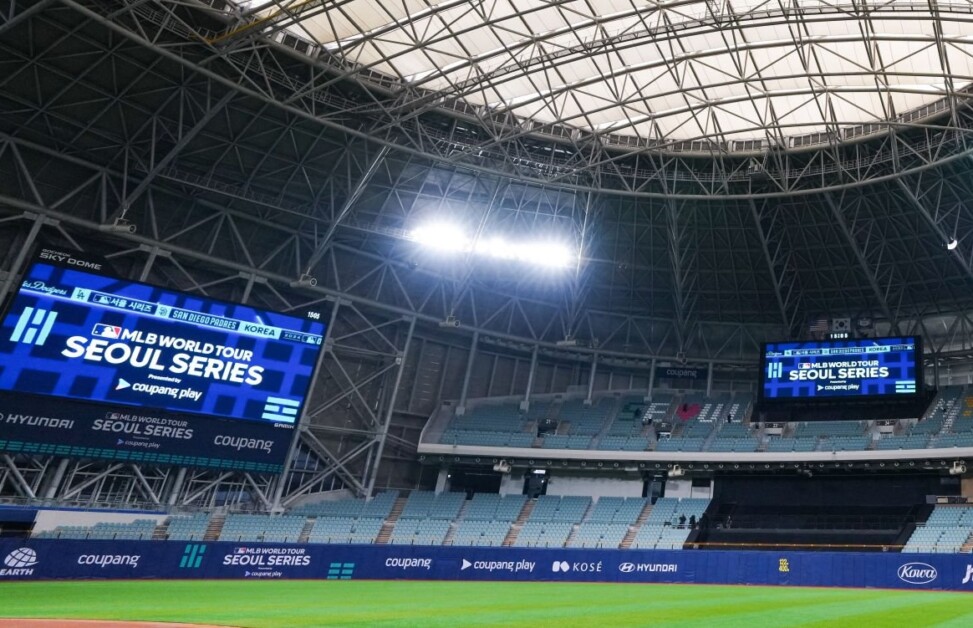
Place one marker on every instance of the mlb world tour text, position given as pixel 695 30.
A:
pixel 194 358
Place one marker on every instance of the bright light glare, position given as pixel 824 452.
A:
pixel 952 244
pixel 450 238
pixel 442 237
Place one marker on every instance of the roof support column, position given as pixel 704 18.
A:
pixel 176 486
pixel 591 379
pixel 55 482
pixel 682 262
pixel 648 396
pixel 525 405
pixel 384 433
pixel 302 421
pixel 461 409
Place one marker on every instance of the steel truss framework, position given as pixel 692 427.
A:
pixel 333 90
pixel 116 112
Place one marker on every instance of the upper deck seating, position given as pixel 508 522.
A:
pixel 140 529
pixel 493 425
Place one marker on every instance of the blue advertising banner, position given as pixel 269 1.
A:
pixel 54 559
pixel 869 367
pixel 63 427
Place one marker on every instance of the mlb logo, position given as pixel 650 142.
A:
pixel 107 331
pixel 805 365
pixel 241 550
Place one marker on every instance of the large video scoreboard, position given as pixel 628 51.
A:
pixel 865 368
pixel 92 365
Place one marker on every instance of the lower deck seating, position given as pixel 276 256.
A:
pixel 946 531
pixel 593 534
pixel 543 534
pixel 190 528
pixel 668 525
pixel 552 508
pixel 493 507
pixel 419 532
pixel 481 533
pixel 344 530
pixel 625 510
pixel 265 528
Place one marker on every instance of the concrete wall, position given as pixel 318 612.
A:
pixel 567 484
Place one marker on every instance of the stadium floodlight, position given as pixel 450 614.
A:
pixel 442 236
pixel 449 238
pixel 952 244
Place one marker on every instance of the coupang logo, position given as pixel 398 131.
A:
pixel 917 573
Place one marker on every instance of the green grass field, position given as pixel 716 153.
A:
pixel 433 604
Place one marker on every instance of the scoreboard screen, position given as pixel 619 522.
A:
pixel 112 365
pixel 868 367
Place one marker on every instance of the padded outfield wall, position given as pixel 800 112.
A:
pixel 48 559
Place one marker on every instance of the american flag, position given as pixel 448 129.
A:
pixel 819 325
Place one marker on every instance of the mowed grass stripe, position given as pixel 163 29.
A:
pixel 447 604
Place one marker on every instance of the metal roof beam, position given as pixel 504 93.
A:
pixel 866 269
pixel 161 164
pixel 346 208
pixel 935 225
pixel 775 277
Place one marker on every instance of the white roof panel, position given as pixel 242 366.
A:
pixel 693 68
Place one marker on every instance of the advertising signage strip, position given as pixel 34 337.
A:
pixel 871 367
pixel 32 424
pixel 46 559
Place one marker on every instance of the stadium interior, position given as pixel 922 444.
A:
pixel 506 274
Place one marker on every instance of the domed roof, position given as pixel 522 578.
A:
pixel 738 75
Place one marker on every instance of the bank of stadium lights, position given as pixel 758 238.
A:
pixel 449 238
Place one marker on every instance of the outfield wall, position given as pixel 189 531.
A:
pixel 45 559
